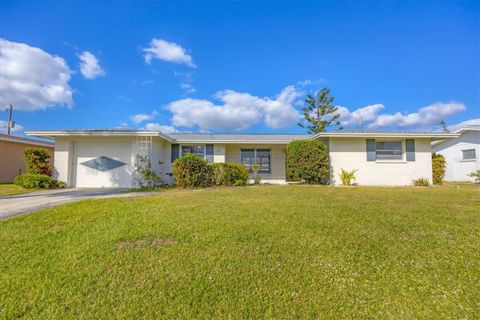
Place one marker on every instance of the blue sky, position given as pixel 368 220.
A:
pixel 238 65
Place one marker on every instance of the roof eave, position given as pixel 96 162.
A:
pixel 235 141
pixel 433 136
pixel 53 134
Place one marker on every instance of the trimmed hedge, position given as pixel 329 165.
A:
pixel 229 174
pixel 37 181
pixel 191 171
pixel 438 168
pixel 308 161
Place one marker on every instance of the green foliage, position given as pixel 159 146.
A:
pixel 256 173
pixel 37 161
pixel 146 177
pixel 308 161
pixel 476 175
pixel 422 182
pixel 347 177
pixel 37 181
pixel 229 174
pixel 320 113
pixel 191 171
pixel 438 168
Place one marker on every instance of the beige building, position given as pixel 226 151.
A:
pixel 105 158
pixel 12 162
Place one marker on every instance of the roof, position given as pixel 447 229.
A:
pixel 10 138
pixel 385 134
pixel 237 138
pixel 459 132
pixel 243 138
pixel 97 132
pixel 468 128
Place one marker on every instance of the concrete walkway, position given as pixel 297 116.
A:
pixel 28 202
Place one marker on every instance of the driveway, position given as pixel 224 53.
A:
pixel 28 202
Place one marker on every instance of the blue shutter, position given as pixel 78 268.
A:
pixel 209 152
pixel 410 149
pixel 371 150
pixel 175 152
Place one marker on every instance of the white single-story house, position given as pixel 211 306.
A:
pixel 461 154
pixel 105 158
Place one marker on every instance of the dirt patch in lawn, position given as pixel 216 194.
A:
pixel 145 243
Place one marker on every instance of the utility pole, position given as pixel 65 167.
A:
pixel 10 124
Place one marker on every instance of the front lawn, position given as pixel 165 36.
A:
pixel 256 252
pixel 8 189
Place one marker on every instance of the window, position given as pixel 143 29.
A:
pixel 261 156
pixel 469 154
pixel 389 150
pixel 198 150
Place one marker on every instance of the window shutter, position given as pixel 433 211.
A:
pixel 410 149
pixel 175 152
pixel 371 152
pixel 209 152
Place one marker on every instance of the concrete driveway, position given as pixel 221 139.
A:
pixel 28 202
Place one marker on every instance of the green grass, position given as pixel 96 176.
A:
pixel 8 189
pixel 293 252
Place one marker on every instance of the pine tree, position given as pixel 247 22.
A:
pixel 320 113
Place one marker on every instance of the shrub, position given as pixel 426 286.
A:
pixel 422 182
pixel 229 174
pixel 191 171
pixel 308 161
pixel 37 181
pixel 438 168
pixel 37 161
pixel 476 175
pixel 347 177
pixel 145 175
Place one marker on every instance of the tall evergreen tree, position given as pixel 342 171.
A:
pixel 320 113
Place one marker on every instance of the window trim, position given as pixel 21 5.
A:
pixel 402 159
pixel 194 145
pixel 469 159
pixel 255 159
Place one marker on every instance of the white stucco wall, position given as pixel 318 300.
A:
pixel 457 168
pixel 350 153
pixel 277 165
pixel 62 163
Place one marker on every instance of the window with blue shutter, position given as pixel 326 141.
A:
pixel 410 149
pixel 371 150
pixel 209 152
pixel 175 152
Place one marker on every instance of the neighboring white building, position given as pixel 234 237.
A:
pixel 461 154
pixel 105 158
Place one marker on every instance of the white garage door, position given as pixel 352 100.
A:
pixel 103 164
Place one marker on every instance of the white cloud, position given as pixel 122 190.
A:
pixel 359 116
pixel 426 116
pixel 89 66
pixel 141 117
pixel 370 116
pixel 471 122
pixel 167 51
pixel 187 87
pixel 159 127
pixel 238 111
pixel 4 126
pixel 32 79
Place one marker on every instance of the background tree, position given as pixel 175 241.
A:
pixel 320 113
pixel 443 125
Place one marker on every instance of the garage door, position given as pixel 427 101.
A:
pixel 102 164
